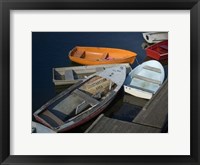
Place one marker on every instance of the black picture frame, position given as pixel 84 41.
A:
pixel 7 5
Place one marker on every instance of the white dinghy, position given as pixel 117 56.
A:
pixel 145 79
pixel 155 37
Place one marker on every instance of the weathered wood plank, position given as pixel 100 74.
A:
pixel 147 79
pixel 104 124
pixel 69 75
pixel 155 111
pixel 53 117
pixel 152 68
pixel 86 97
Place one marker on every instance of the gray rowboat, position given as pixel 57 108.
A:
pixel 82 101
pixel 71 75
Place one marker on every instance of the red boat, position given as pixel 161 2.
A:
pixel 158 51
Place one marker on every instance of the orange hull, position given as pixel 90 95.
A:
pixel 98 56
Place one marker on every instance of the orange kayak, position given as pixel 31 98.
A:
pixel 98 55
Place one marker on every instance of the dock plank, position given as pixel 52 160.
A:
pixel 154 113
pixel 105 124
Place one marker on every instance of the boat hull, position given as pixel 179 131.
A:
pixel 137 92
pixel 79 73
pixel 158 51
pixel 145 79
pixel 100 56
pixel 77 105
pixel 155 37
pixel 85 120
pixel 88 62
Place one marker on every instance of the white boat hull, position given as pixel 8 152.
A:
pixel 137 92
pixel 145 79
pixel 155 37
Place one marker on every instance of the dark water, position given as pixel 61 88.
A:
pixel 50 50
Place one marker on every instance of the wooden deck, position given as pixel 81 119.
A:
pixel 104 124
pixel 154 113
pixel 151 119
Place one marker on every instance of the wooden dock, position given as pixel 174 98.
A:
pixel 151 119
pixel 105 124
pixel 154 113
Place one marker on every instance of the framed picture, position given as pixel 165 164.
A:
pixel 41 38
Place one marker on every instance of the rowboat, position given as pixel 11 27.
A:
pixel 145 79
pixel 82 101
pixel 71 75
pixel 39 128
pixel 98 55
pixel 158 51
pixel 155 37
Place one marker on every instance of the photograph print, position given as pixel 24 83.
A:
pixel 100 82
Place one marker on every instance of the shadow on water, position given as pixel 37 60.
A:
pixel 50 50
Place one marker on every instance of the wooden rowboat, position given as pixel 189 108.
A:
pixel 158 51
pixel 82 101
pixel 145 79
pixel 155 37
pixel 71 75
pixel 98 55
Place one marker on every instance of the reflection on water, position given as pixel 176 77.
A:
pixel 50 50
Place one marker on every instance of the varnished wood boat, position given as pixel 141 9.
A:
pixel 82 101
pixel 158 51
pixel 71 75
pixel 145 79
pixel 98 55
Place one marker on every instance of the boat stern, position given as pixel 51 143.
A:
pixel 137 92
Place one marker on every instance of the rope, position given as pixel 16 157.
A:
pixel 137 61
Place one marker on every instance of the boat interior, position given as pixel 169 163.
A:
pixel 72 74
pixel 90 94
pixel 147 79
pixel 160 48
pixel 89 55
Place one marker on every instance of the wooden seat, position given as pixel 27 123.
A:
pixel 104 56
pixel 142 89
pixel 69 75
pixel 152 69
pixel 147 79
pixel 79 54
pixel 53 117
pixel 86 97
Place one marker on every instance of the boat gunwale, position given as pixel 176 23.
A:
pixel 90 62
pixel 102 48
